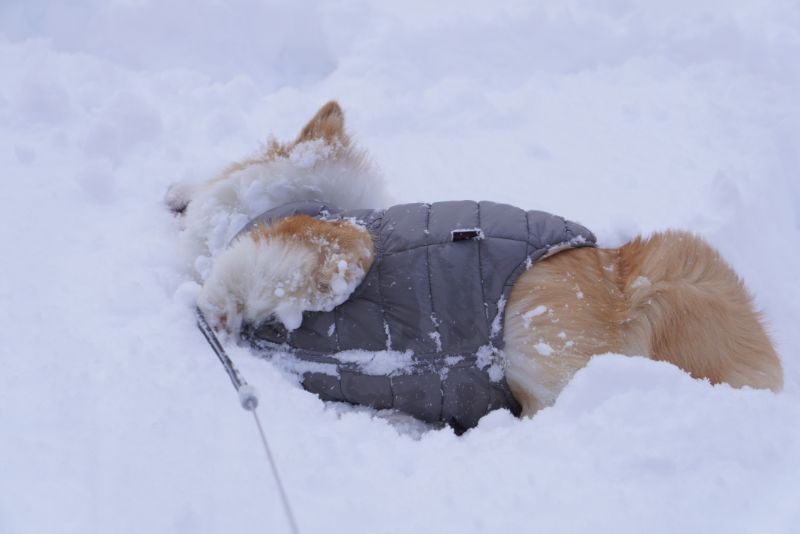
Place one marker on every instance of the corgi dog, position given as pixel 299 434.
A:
pixel 668 297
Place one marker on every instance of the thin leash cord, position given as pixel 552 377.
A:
pixel 284 497
pixel 249 401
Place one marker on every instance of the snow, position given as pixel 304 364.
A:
pixel 528 316
pixel 437 338
pixel 543 348
pixel 628 116
pixel 378 363
pixel 497 322
pixel 490 359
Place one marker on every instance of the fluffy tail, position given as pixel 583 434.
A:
pixel 687 306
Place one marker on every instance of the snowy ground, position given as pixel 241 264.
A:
pixel 626 115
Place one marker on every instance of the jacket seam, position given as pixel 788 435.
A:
pixel 434 315
pixel 482 282
pixel 336 316
pixel 378 254
pixel 567 231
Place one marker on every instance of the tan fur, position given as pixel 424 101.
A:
pixel 327 124
pixel 329 239
pixel 670 297
pixel 281 270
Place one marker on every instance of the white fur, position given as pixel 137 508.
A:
pixel 314 170
pixel 254 280
pixel 248 281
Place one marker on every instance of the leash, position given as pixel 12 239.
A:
pixel 249 401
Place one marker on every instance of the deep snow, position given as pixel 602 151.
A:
pixel 628 116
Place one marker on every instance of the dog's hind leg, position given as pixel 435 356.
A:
pixel 687 306
pixel 560 313
pixel 670 297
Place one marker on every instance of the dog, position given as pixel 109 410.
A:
pixel 668 297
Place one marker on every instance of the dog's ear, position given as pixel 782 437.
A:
pixel 327 124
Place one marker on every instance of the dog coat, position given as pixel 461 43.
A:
pixel 423 332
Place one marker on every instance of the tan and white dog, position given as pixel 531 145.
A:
pixel 668 297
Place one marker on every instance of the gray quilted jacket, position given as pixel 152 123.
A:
pixel 423 332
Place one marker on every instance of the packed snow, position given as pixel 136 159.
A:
pixel 626 115
pixel 378 363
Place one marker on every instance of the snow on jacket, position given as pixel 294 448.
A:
pixel 423 332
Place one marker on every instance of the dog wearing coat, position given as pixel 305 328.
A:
pixel 668 297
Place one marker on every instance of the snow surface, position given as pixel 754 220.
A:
pixel 625 115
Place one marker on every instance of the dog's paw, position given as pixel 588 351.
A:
pixel 222 318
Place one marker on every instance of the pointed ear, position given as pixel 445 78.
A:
pixel 327 124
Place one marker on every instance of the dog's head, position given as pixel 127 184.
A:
pixel 325 131
pixel 320 164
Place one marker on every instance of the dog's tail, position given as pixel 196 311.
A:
pixel 687 306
